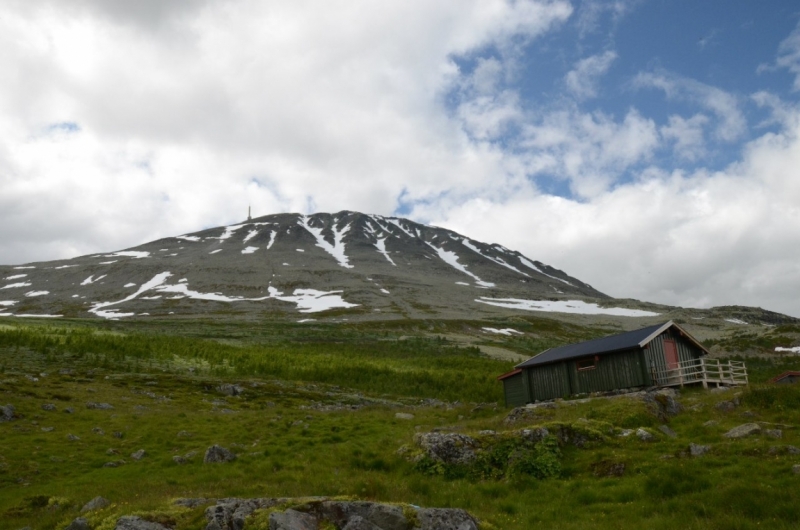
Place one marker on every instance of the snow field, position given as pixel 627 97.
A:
pixel 578 307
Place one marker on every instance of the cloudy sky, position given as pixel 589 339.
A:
pixel 648 147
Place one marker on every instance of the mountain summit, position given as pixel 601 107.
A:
pixel 343 265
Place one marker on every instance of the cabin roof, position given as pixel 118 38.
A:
pixel 790 373
pixel 614 343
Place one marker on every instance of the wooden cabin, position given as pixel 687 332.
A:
pixel 786 378
pixel 659 355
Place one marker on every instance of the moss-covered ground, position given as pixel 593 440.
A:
pixel 318 417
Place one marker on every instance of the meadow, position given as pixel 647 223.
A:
pixel 317 415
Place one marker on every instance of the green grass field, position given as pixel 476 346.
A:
pixel 317 417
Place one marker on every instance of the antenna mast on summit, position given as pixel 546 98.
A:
pixel 248 214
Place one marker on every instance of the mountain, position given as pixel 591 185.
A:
pixel 344 266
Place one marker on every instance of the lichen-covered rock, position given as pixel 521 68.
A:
pixel 7 413
pixel 725 406
pixel 99 406
pixel 95 504
pixel 698 450
pixel 138 455
pixel 663 403
pixel 130 522
pixel 666 430
pixel 450 448
pixel 49 407
pixel 578 433
pixel 384 516
pixel 359 523
pixel 218 454
pixel 79 524
pixel 534 435
pixel 774 433
pixel 230 390
pixel 292 520
pixel 445 519
pixel 742 431
pixel 644 435
pixel 230 514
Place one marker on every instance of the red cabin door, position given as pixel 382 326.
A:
pixel 671 354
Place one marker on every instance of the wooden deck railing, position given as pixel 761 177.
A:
pixel 703 371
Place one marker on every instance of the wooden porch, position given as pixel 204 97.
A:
pixel 702 371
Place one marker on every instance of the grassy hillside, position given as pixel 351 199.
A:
pixel 317 416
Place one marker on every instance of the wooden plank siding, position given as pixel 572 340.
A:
pixel 654 352
pixel 606 370
pixel 514 390
pixel 613 371
pixel 548 382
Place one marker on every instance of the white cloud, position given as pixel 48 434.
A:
pixel 582 80
pixel 731 123
pixel 687 135
pixel 590 150
pixel 697 239
pixel 185 114
pixel 789 55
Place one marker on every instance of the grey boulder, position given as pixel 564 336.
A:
pixel 6 413
pixel 743 431
pixel 218 454
pixel 666 430
pixel 698 450
pixel 95 504
pixel 359 523
pixel 131 522
pixel 450 448
pixel 445 519
pixel 292 520
pixel 644 435
pixel 78 524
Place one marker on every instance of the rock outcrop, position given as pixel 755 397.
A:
pixel 217 454
pixel 320 512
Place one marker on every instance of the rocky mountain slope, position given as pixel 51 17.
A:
pixel 342 266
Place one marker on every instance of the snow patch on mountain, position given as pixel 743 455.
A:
pixel 98 307
pixel 311 300
pixel 578 307
pixel 15 277
pixel 399 225
pixel 337 249
pixel 138 254
pixel 381 246
pixel 499 261
pixel 451 258
pixel 529 264
pixel 16 285
pixel 91 279
pixel 506 331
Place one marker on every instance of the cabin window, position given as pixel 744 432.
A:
pixel 587 364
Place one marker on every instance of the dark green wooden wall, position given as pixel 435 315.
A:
pixel 514 390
